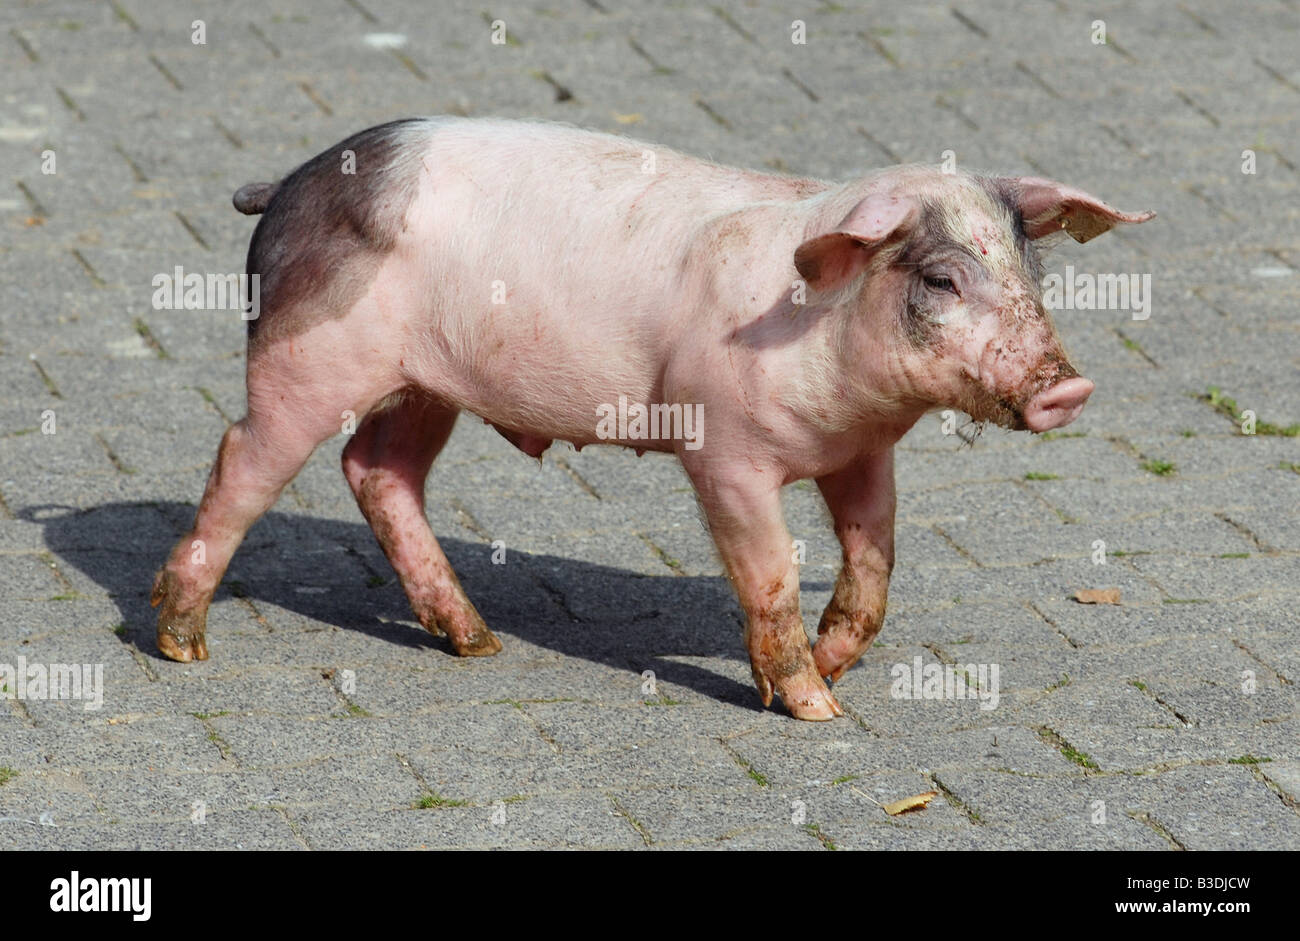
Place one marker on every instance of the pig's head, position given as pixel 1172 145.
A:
pixel 941 279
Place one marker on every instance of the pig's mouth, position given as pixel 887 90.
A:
pixel 1025 384
pixel 1054 405
pixel 998 389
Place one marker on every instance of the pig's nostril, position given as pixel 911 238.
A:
pixel 1058 405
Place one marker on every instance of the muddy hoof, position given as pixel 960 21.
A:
pixel 804 693
pixel 181 634
pixel 177 642
pixel 807 697
pixel 480 643
pixel 464 627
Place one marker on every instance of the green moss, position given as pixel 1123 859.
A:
pixel 1268 428
pixel 749 769
pixel 1227 407
pixel 519 703
pixel 816 831
pixel 1080 758
pixel 663 701
pixel 429 800
pixel 1160 468
pixel 1053 435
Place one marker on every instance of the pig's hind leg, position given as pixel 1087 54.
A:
pixel 386 464
pixel 259 454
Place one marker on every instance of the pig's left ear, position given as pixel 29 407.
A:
pixel 1048 207
pixel 837 257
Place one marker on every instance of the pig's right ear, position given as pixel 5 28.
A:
pixel 832 260
pixel 1049 207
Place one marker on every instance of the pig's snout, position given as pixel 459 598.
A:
pixel 1057 405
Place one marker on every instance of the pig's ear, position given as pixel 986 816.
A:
pixel 1048 207
pixel 833 259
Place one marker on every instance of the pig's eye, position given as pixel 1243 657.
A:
pixel 940 283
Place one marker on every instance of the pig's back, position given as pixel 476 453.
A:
pixel 574 206
pixel 561 257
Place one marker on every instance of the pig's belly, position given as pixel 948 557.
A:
pixel 536 389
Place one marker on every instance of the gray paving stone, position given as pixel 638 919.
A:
pixel 262 741
pixel 125 796
pixel 1126 749
pixel 788 760
pixel 582 821
pixel 343 783
pixel 1192 811
pixel 247 830
pixel 760 838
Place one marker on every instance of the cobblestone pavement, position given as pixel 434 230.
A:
pixel 327 718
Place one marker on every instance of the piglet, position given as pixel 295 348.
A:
pixel 538 275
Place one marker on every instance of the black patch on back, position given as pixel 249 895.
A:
pixel 326 230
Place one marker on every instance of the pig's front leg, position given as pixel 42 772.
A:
pixel 861 501
pixel 743 507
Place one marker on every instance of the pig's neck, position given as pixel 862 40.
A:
pixel 851 390
pixel 873 395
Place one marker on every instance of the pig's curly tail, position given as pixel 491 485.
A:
pixel 252 198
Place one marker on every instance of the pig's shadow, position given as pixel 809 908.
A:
pixel 329 571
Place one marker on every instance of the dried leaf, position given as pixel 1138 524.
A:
pixel 916 802
pixel 633 118
pixel 1097 596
